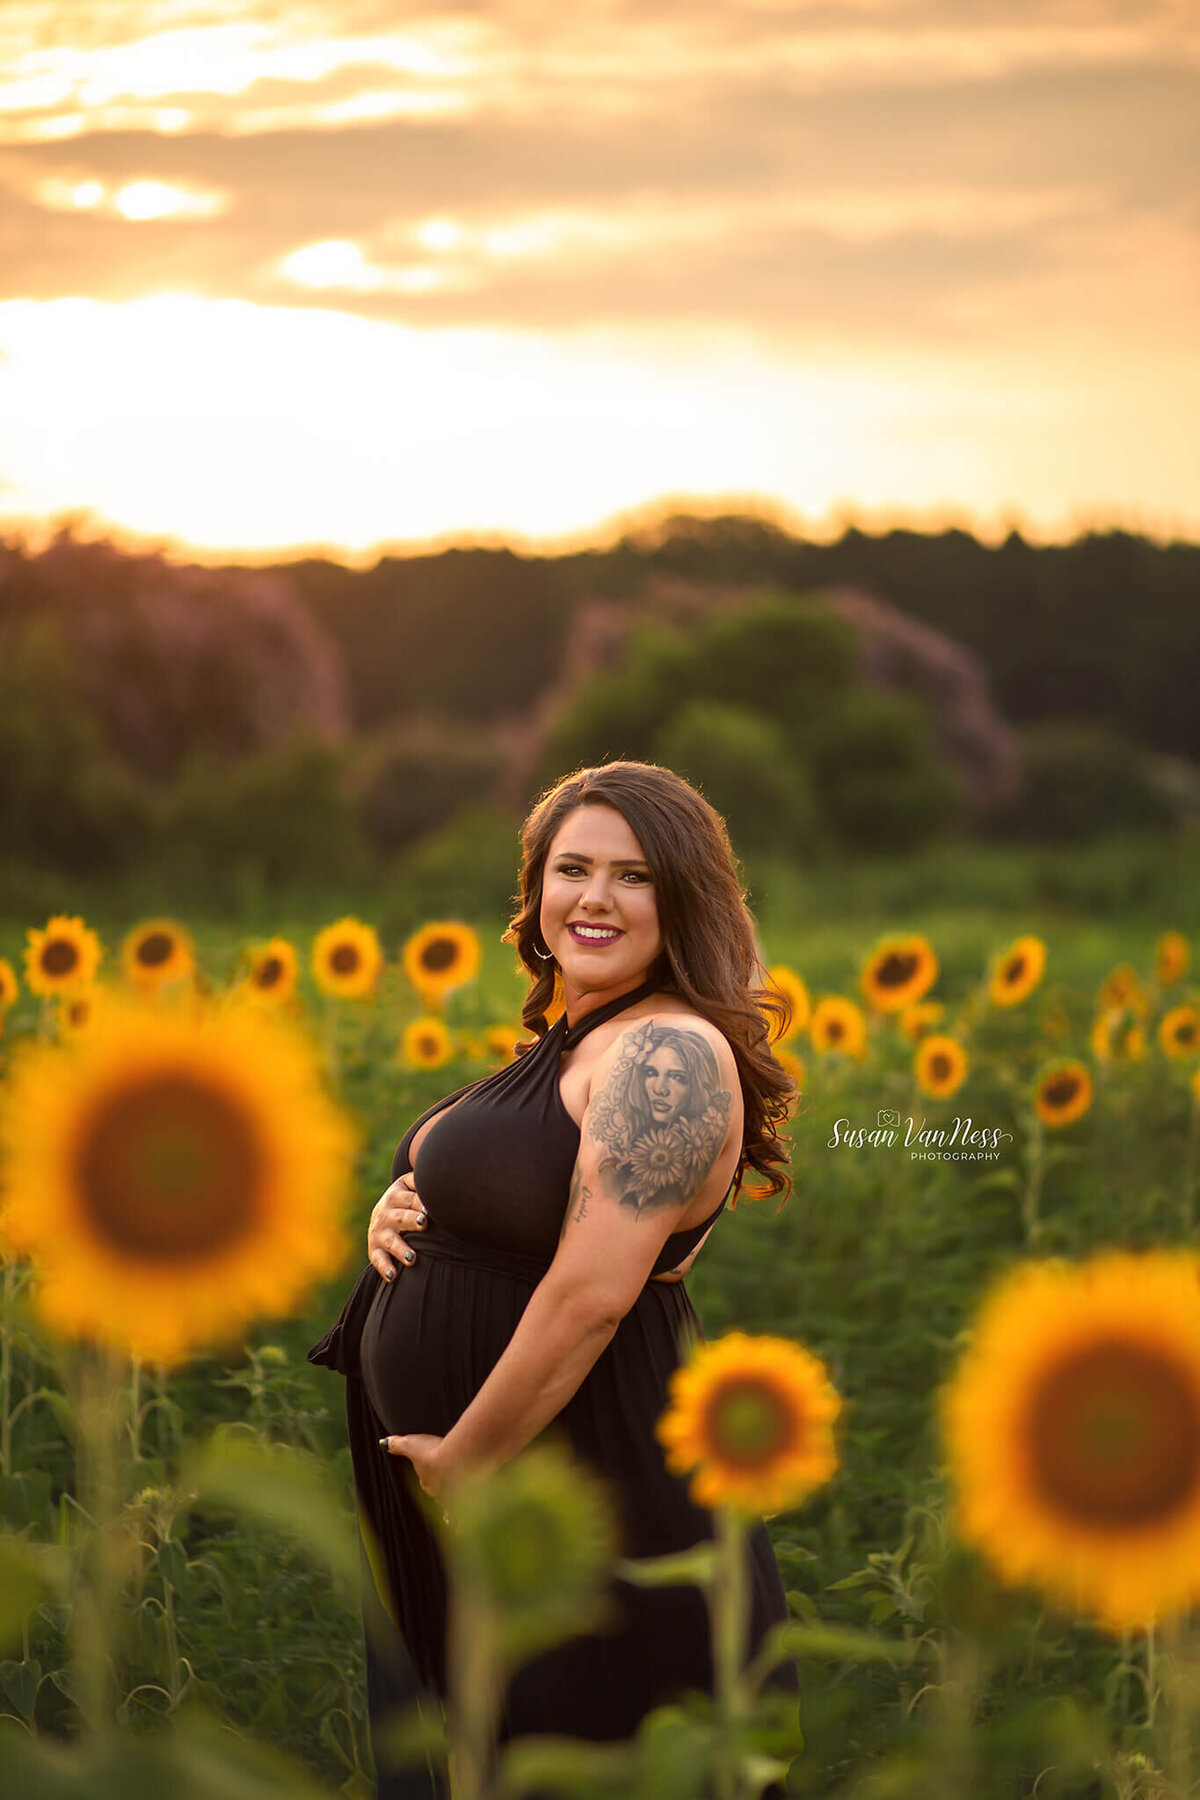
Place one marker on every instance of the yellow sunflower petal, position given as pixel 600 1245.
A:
pixel 155 952
pixel 786 981
pixel 940 1065
pixel 61 959
pixel 441 956
pixel 346 959
pixel 838 1024
pixel 155 1165
pixel 1072 1427
pixel 1017 971
pixel 1063 1093
pixel 899 971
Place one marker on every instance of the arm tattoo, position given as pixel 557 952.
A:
pixel 661 1116
pixel 579 1193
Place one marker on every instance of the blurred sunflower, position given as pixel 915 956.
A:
pixel 915 1020
pixel 753 1416
pixel 156 1163
pixel 1117 1036
pixel 1179 1031
pixel 1121 987
pixel 346 959
pixel 1172 954
pixel 535 1541
pixel 1017 971
pixel 1072 1427
pixel 838 1024
pixel 940 1066
pixel 426 1044
pixel 791 1064
pixel 77 1012
pixel 9 985
pixel 1063 1093
pixel 155 952
pixel 63 957
pixel 898 971
pixel 500 1042
pixel 439 957
pixel 274 971
pixel 785 981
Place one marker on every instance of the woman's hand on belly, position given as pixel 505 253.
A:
pixel 397 1209
pixel 423 1451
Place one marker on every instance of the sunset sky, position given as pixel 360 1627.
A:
pixel 342 274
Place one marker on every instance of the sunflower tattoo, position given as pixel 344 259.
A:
pixel 661 1116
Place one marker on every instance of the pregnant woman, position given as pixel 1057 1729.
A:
pixel 550 1212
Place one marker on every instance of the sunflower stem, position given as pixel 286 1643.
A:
pixel 97 1414
pixel 729 1623
pixel 1031 1193
pixel 475 1691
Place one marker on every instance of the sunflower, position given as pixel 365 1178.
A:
pixel 1121 987
pixel 753 1416
pixel 62 958
pixel 77 1012
pixel 439 957
pixel 898 971
pixel 535 1540
pixel 274 971
pixel 838 1024
pixel 791 1064
pixel 1073 1431
pixel 500 1042
pixel 1063 1093
pixel 1117 1036
pixel 346 959
pixel 156 1164
pixel 1172 954
pixel 10 987
pixel 157 951
pixel 940 1065
pixel 1017 971
pixel 1179 1031
pixel 785 981
pixel 920 1017
pixel 425 1045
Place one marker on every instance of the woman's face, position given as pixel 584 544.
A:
pixel 599 915
pixel 667 1084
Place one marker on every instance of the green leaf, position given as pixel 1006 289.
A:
pixel 841 1644
pixel 272 1483
pixel 20 1682
pixel 694 1566
pixel 25 1577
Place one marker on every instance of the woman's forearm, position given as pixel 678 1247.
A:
pixel 553 1348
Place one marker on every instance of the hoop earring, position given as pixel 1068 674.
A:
pixel 546 955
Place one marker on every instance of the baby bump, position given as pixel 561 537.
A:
pixel 432 1337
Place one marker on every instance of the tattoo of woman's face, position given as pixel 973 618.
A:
pixel 661 1116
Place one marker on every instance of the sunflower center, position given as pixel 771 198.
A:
pixel 427 1044
pixel 1185 1032
pixel 1114 1435
pixel 834 1028
pixel 268 972
pixel 154 949
pixel 59 956
pixel 438 954
pixel 1014 970
pixel 939 1066
pixel 749 1424
pixel 344 959
pixel 1061 1090
pixel 170 1171
pixel 895 969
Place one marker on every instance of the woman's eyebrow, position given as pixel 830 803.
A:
pixel 620 862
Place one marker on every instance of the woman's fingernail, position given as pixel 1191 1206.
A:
pixel 421 1217
pixel 390 1274
pixel 383 1443
pixel 410 1256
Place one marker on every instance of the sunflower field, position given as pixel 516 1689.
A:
pixel 958 1370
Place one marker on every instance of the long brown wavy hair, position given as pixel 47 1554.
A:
pixel 709 958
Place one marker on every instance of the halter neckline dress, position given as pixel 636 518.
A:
pixel 493 1180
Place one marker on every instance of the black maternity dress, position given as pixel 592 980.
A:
pixel 493 1181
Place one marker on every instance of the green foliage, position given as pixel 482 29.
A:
pixel 745 767
pixel 412 778
pixel 878 785
pixel 280 814
pixel 760 707
pixel 64 801
pixel 467 867
pixel 1080 782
